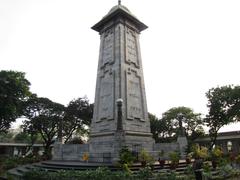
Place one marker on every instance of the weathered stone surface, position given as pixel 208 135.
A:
pixel 120 76
pixel 182 141
pixel 70 151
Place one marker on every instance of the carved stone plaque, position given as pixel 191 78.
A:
pixel 131 48
pixel 135 109
pixel 106 97
pixel 108 50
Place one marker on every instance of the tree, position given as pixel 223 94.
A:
pixel 224 108
pixel 192 122
pixel 14 89
pixel 167 128
pixel 160 129
pixel 22 137
pixel 6 137
pixel 43 116
pixel 154 126
pixel 77 117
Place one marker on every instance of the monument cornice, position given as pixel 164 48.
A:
pixel 119 12
pixel 135 133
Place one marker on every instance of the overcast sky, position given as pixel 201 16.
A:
pixel 189 47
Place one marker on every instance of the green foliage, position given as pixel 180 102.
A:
pixel 22 137
pixel 6 137
pixel 98 174
pixel 126 159
pixel 223 172
pixel 191 121
pixel 161 153
pixel 167 175
pixel 237 159
pixel 145 173
pixel 167 129
pixel 206 166
pixel 44 117
pixel 174 157
pixel 216 152
pixel 200 151
pixel 189 170
pixel 224 105
pixel 7 163
pixel 14 89
pixel 145 157
pixel 77 118
pixel 75 140
pixel 159 128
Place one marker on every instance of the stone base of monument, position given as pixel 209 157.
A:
pixel 182 141
pixel 68 152
pixel 103 149
pixel 106 148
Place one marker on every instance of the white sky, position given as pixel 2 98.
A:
pixel 189 47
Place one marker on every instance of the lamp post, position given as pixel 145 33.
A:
pixel 119 112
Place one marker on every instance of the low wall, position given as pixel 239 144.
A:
pixel 69 151
pixel 75 152
pixel 166 147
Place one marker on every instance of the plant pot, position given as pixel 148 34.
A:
pixel 173 165
pixel 188 160
pixel 143 163
pixel 214 164
pixel 161 162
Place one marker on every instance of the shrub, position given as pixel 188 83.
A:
pixel 199 151
pixel 145 173
pixel 237 159
pixel 98 174
pixel 164 175
pixel 216 153
pixel 126 159
pixel 174 157
pixel 145 158
pixel 126 156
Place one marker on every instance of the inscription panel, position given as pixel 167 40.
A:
pixel 135 109
pixel 108 50
pixel 131 48
pixel 106 97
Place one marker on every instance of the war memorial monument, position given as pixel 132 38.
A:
pixel 120 108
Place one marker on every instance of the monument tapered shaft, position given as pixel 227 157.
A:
pixel 119 76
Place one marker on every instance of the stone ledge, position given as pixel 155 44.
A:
pixel 102 134
pixel 135 133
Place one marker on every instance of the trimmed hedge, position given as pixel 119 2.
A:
pixel 143 174
pixel 104 174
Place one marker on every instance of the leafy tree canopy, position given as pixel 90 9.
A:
pixel 43 116
pixel 159 129
pixel 6 137
pixel 191 121
pixel 14 89
pixel 22 137
pixel 224 108
pixel 166 129
pixel 77 117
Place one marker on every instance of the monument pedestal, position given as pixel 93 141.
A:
pixel 58 151
pixel 182 141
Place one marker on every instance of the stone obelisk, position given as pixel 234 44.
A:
pixel 120 109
